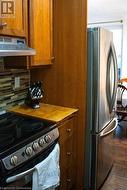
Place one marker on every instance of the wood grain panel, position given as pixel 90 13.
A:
pixel 65 80
pixel 40 31
pixel 46 111
pixel 17 25
pixel 67 154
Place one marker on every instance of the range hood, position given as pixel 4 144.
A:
pixel 10 46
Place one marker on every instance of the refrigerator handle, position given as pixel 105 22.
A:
pixel 111 96
pixel 106 132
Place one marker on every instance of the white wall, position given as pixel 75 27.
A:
pixel 124 50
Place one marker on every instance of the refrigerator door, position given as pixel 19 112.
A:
pixel 111 80
pixel 104 81
pixel 102 157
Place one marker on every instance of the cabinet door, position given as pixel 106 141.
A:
pixel 40 31
pixel 67 154
pixel 13 17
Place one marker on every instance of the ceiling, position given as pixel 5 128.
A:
pixel 106 10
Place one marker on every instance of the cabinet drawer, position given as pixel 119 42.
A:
pixel 66 131
pixel 66 153
pixel 70 180
pixel 67 179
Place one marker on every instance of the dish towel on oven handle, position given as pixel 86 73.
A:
pixel 46 175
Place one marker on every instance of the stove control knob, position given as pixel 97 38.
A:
pixel 35 146
pixel 41 142
pixel 14 160
pixel 29 151
pixel 48 138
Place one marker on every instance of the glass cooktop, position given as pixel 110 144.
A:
pixel 16 129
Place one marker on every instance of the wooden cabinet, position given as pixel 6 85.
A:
pixel 13 17
pixel 67 154
pixel 40 31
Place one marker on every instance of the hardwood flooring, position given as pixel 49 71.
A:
pixel 117 179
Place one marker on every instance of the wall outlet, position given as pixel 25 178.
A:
pixel 17 82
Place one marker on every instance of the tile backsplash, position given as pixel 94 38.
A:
pixel 13 87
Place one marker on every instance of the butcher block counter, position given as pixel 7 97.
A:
pixel 46 111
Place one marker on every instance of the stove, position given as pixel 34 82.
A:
pixel 23 140
pixel 16 130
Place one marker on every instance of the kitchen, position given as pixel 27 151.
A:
pixel 60 64
pixel 60 49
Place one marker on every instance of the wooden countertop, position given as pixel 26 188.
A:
pixel 46 111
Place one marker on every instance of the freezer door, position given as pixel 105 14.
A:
pixel 104 155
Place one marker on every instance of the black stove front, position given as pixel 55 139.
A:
pixel 24 142
pixel 16 130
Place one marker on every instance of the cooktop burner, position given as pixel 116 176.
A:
pixel 16 130
pixel 6 140
pixel 31 125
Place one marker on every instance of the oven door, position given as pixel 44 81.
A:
pixel 22 177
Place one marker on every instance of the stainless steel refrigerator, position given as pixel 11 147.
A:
pixel 101 101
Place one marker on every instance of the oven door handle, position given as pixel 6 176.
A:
pixel 19 176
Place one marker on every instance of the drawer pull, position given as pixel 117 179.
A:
pixel 2 25
pixel 68 153
pixel 68 180
pixel 68 130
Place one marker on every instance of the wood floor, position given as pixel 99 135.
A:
pixel 117 179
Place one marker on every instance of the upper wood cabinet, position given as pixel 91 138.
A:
pixel 13 17
pixel 40 31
